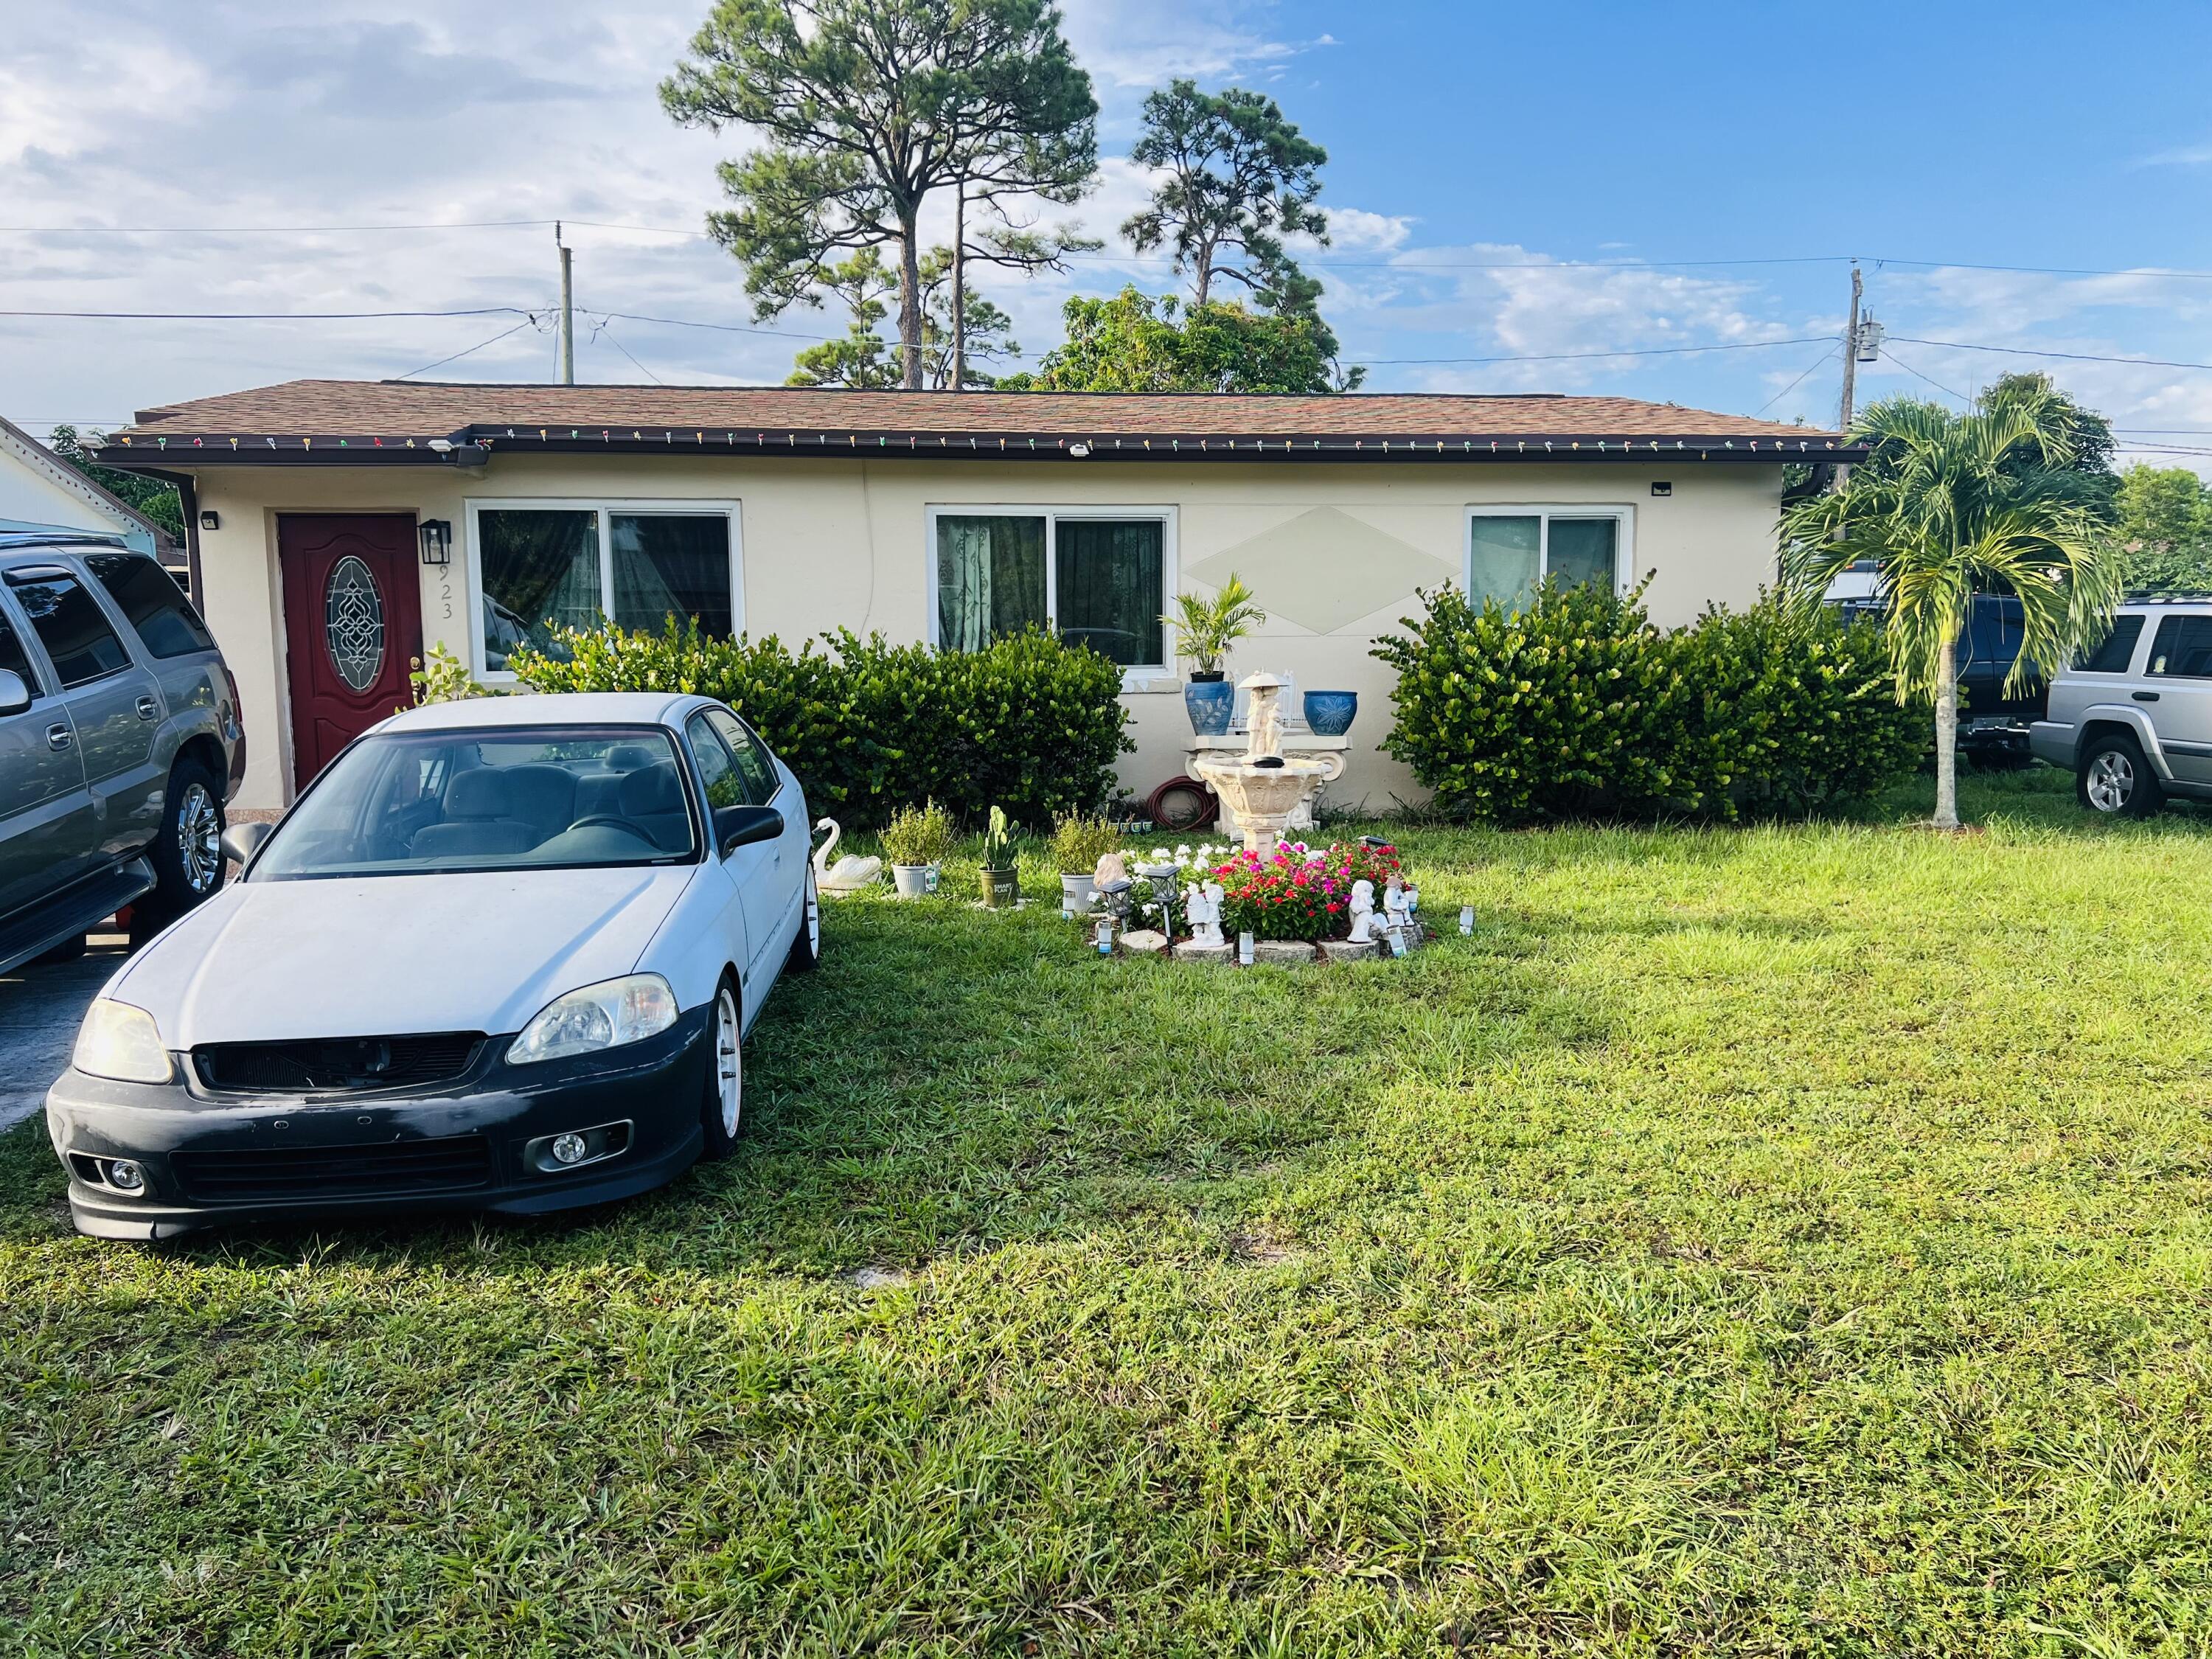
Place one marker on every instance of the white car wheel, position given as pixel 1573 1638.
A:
pixel 729 1062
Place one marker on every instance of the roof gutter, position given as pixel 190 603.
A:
pixel 474 445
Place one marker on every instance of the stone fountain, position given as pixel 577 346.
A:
pixel 1262 789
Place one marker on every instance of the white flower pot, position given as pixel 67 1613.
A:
pixel 1078 894
pixel 914 880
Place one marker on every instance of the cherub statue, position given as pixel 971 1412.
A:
pixel 1397 908
pixel 1267 736
pixel 1202 911
pixel 1363 911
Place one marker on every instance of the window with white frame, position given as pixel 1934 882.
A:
pixel 1098 576
pixel 542 565
pixel 1512 551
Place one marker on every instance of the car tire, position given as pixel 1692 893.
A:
pixel 2114 781
pixel 186 851
pixel 806 946
pixel 722 1104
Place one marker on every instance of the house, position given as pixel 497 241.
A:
pixel 39 490
pixel 343 527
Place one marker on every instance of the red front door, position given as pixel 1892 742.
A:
pixel 353 617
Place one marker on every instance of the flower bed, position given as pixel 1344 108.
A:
pixel 1300 892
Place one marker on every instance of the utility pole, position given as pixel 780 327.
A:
pixel 568 316
pixel 1851 354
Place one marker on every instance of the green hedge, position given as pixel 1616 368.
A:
pixel 1030 724
pixel 1578 706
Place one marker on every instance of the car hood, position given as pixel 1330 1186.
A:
pixel 376 956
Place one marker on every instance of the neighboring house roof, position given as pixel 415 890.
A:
pixel 101 508
pixel 351 422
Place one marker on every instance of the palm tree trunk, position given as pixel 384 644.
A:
pixel 1947 734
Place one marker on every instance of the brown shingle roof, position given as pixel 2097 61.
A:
pixel 336 420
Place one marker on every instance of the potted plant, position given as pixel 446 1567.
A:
pixel 917 841
pixel 1205 630
pixel 1078 844
pixel 1002 885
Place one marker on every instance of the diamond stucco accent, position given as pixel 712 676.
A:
pixel 1324 568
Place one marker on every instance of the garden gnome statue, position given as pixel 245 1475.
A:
pixel 1397 908
pixel 1202 911
pixel 1362 912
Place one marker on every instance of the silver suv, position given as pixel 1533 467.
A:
pixel 119 744
pixel 2133 720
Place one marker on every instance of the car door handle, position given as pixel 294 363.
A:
pixel 59 736
pixel 2144 697
pixel 149 709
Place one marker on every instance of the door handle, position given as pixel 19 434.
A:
pixel 148 708
pixel 2144 697
pixel 59 736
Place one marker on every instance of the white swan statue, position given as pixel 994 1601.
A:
pixel 849 874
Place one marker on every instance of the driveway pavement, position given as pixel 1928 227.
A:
pixel 39 1008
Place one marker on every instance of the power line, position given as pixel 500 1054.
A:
pixel 1931 380
pixel 269 316
pixel 2070 356
pixel 468 351
pixel 1793 385
pixel 608 335
pixel 1565 356
pixel 724 328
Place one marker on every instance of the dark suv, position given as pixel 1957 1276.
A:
pixel 119 743
pixel 1993 723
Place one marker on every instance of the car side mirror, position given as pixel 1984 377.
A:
pixel 742 826
pixel 240 842
pixel 14 696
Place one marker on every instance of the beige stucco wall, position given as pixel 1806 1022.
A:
pixel 1333 552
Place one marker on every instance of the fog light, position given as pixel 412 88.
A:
pixel 568 1149
pixel 125 1175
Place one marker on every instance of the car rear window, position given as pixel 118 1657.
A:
pixel 2118 651
pixel 157 608
pixel 70 624
pixel 2182 648
pixel 13 656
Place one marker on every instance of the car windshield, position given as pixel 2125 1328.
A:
pixel 538 797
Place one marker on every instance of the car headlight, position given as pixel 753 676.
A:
pixel 603 1016
pixel 120 1041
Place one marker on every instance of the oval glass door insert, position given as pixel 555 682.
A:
pixel 353 622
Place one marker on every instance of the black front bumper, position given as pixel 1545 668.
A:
pixel 367 1153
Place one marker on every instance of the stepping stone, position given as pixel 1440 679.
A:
pixel 1145 943
pixel 1191 950
pixel 1344 950
pixel 1289 953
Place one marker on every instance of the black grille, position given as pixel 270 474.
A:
pixel 389 1169
pixel 330 1065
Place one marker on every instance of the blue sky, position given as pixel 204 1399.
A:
pixel 1508 181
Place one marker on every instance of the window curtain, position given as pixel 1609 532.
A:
pixel 1583 552
pixel 1504 558
pixel 990 579
pixel 1110 590
pixel 541 569
pixel 670 564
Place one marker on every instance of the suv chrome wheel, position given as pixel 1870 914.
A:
pixel 199 839
pixel 2111 783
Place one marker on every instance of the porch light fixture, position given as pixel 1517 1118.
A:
pixel 211 519
pixel 436 535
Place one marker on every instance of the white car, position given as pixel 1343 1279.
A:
pixel 501 954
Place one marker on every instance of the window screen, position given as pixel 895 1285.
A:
pixel 68 623
pixel 1582 551
pixel 1506 559
pixel 672 564
pixel 157 608
pixel 2183 647
pixel 2118 650
pixel 1110 596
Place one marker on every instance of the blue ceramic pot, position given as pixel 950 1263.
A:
pixel 1211 702
pixel 1330 712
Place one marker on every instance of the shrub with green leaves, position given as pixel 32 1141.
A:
pixel 1030 722
pixel 1078 842
pixel 1576 705
pixel 917 835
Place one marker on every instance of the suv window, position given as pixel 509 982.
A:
pixel 2118 650
pixel 69 624
pixel 752 759
pixel 2183 647
pixel 155 605
pixel 726 786
pixel 12 654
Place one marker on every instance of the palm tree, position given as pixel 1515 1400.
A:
pixel 1945 508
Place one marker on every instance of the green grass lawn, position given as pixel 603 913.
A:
pixel 1750 1242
